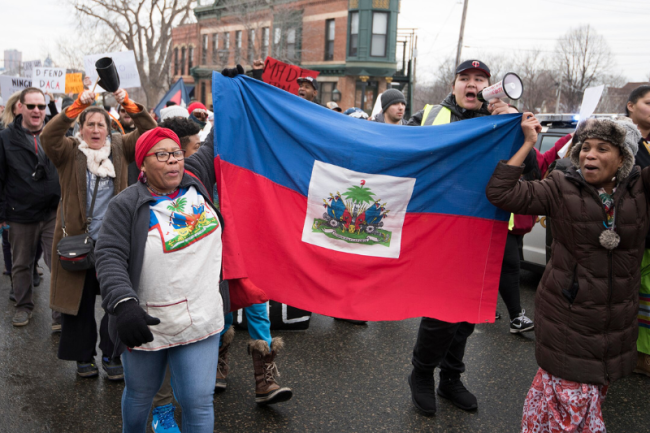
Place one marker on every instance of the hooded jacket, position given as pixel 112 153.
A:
pixel 457 112
pixel 26 200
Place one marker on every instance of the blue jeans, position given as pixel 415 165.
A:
pixel 259 325
pixel 194 371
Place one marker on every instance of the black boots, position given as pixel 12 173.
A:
pixel 423 392
pixel 453 390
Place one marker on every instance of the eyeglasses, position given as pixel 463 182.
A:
pixel 179 155
pixel 32 106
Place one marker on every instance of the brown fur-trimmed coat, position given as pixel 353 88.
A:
pixel 66 287
pixel 587 301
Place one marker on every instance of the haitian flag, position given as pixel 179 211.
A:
pixel 356 219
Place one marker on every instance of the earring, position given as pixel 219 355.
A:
pixel 142 177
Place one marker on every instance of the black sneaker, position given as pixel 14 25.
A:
pixel 454 391
pixel 87 369
pixel 521 324
pixel 423 392
pixel 113 368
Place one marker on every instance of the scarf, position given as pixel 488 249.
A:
pixel 97 160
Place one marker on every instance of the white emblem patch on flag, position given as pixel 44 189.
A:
pixel 354 212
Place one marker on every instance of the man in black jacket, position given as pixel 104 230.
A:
pixel 442 344
pixel 29 184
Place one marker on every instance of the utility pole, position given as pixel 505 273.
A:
pixel 559 95
pixel 462 32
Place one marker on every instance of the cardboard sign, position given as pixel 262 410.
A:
pixel 126 66
pixel 74 83
pixel 49 79
pixel 28 67
pixel 283 75
pixel 11 85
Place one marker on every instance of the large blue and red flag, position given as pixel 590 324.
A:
pixel 360 220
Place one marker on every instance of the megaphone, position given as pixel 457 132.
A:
pixel 109 80
pixel 511 86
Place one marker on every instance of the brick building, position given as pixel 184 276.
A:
pixel 352 43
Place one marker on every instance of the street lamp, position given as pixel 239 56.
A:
pixel 336 95
pixel 364 77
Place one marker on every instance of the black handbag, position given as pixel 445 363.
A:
pixel 77 253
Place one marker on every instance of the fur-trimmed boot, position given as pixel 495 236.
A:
pixel 267 390
pixel 222 367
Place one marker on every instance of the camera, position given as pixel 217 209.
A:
pixel 39 172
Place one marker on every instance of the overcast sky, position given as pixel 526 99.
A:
pixel 492 27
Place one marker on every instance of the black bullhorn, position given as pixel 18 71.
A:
pixel 109 80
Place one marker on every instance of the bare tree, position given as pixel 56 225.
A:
pixel 582 58
pixel 89 37
pixel 144 26
pixel 539 81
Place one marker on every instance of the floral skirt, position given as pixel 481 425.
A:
pixel 557 405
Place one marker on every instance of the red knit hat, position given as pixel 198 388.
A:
pixel 194 105
pixel 149 139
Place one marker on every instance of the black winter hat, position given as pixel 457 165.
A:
pixel 390 97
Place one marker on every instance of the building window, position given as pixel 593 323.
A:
pixel 325 92
pixel 379 34
pixel 237 46
pixel 204 50
pixel 291 44
pixel 203 92
pixel 277 41
pixel 354 34
pixel 176 61
pixel 329 39
pixel 215 47
pixel 251 46
pixel 369 91
pixel 225 51
pixel 183 61
pixel 265 42
pixel 190 58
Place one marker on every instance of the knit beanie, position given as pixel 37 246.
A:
pixel 173 111
pixel 390 97
pixel 622 134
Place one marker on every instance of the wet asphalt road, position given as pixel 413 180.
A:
pixel 345 378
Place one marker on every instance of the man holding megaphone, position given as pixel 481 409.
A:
pixel 441 343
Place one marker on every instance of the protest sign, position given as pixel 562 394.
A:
pixel 49 79
pixel 283 75
pixel 124 61
pixel 11 85
pixel 74 83
pixel 28 67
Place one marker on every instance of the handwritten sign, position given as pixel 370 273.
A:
pixel 28 67
pixel 11 85
pixel 49 79
pixel 283 75
pixel 74 83
pixel 125 64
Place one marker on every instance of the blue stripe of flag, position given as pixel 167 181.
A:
pixel 279 136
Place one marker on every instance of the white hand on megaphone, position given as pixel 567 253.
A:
pixel 511 87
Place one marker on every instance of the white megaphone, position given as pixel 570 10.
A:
pixel 511 86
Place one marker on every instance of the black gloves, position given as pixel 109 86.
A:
pixel 232 73
pixel 133 324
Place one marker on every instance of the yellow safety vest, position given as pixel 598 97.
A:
pixel 443 117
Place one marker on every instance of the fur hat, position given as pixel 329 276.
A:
pixel 619 134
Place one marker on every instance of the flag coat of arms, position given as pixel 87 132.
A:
pixel 360 220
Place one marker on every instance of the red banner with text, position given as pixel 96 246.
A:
pixel 284 76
